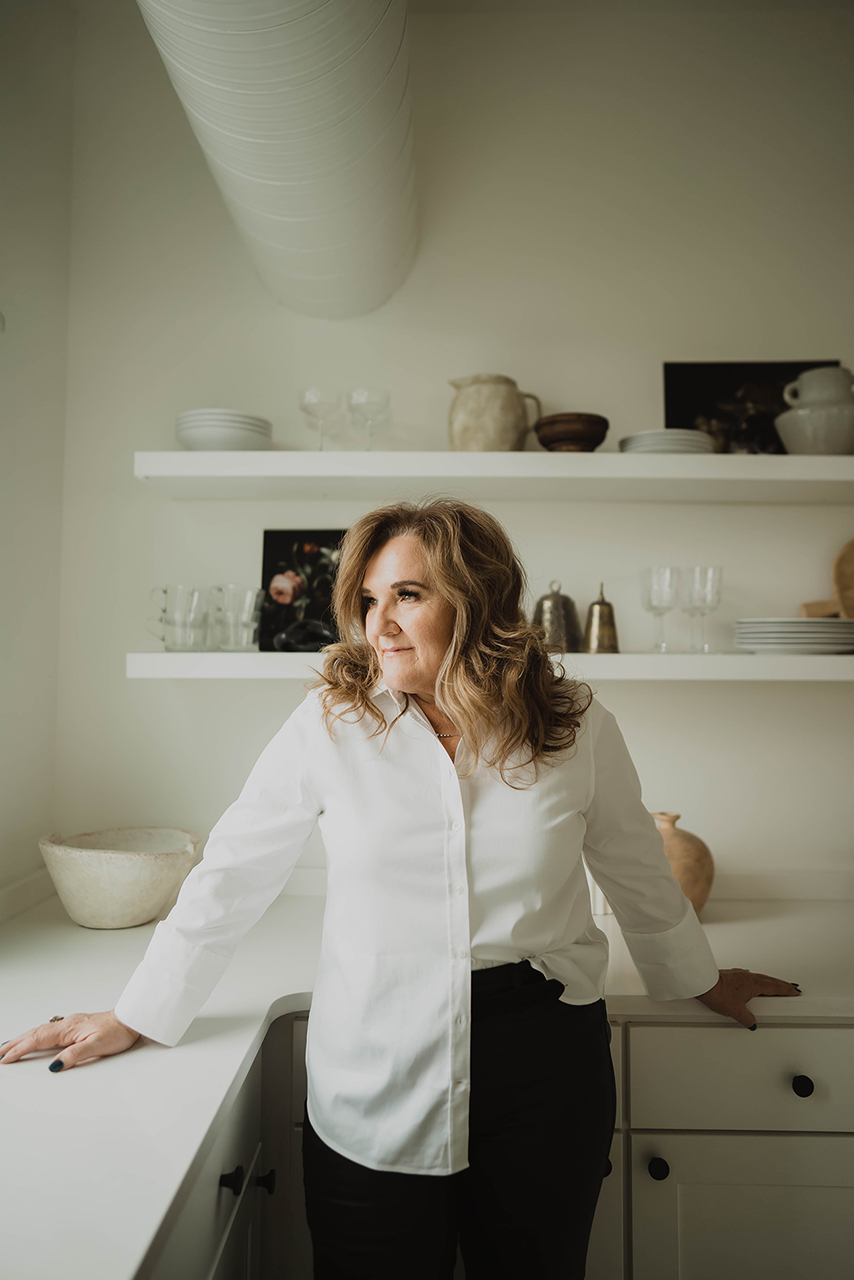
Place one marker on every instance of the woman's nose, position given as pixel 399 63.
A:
pixel 385 620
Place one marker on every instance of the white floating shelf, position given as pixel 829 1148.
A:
pixel 594 667
pixel 537 476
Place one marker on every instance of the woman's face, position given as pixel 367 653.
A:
pixel 408 624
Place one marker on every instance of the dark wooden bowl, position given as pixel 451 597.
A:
pixel 571 432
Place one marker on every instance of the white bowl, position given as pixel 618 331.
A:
pixel 826 428
pixel 222 438
pixel 121 876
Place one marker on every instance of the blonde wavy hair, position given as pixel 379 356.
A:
pixel 497 680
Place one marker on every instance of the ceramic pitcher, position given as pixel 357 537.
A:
pixel 827 385
pixel 488 412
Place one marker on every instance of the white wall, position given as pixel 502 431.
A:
pixel 601 190
pixel 36 40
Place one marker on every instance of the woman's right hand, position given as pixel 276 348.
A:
pixel 77 1037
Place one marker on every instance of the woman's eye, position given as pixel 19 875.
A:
pixel 367 601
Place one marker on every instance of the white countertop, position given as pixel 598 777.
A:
pixel 93 1158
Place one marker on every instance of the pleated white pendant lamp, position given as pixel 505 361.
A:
pixel 303 111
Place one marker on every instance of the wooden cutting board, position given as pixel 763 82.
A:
pixel 843 580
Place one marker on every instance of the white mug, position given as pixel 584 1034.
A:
pixel 826 385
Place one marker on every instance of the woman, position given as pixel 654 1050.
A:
pixel 460 1081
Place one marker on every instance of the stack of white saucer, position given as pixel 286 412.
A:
pixel 222 429
pixel 794 635
pixel 672 440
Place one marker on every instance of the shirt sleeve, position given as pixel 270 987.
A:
pixel 247 860
pixel 624 852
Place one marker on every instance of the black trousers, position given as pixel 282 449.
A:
pixel 541 1118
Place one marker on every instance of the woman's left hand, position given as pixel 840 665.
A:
pixel 735 987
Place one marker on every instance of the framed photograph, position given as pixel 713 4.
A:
pixel 735 402
pixel 298 572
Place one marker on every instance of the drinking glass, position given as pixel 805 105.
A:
pixel 370 412
pixel 187 604
pixel 700 594
pixel 179 635
pixel 660 594
pixel 324 411
pixel 237 617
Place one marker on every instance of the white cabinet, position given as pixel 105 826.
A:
pixel 213 1235
pixel 746 1205
pixel 742 1206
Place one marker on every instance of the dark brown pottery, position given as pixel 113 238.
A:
pixel 571 432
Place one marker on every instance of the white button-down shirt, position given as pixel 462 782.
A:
pixel 429 875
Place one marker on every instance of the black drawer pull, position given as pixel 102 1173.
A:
pixel 802 1086
pixel 234 1181
pixel 267 1181
pixel 658 1169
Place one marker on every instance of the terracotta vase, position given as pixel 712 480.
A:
pixel 690 859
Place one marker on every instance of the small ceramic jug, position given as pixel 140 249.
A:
pixel 827 385
pixel 488 412
pixel 690 859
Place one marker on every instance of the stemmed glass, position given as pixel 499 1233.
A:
pixel 660 594
pixel 370 411
pixel 324 410
pixel 700 594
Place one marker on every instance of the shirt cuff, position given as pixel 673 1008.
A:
pixel 676 964
pixel 169 986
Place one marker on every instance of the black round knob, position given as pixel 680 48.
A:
pixel 658 1169
pixel 234 1181
pixel 802 1086
pixel 267 1181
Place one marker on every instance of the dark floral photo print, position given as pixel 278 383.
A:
pixel 297 575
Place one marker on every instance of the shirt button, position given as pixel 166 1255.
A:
pixel 463 955
pixel 458 889
pixel 456 826
pixel 461 1020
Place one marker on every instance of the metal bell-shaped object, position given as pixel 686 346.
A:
pixel 558 616
pixel 600 634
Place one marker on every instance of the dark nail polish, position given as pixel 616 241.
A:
pixel 753 1028
pixel 56 1066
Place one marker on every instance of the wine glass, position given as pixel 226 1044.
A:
pixel 701 593
pixel 323 410
pixel 370 411
pixel 660 594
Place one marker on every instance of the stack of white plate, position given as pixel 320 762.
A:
pixel 794 635
pixel 222 429
pixel 673 440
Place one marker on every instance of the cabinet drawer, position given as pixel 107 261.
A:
pixel 192 1244
pixel 729 1078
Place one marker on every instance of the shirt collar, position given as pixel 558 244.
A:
pixel 382 687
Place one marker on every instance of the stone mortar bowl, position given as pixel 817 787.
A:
pixel 119 877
